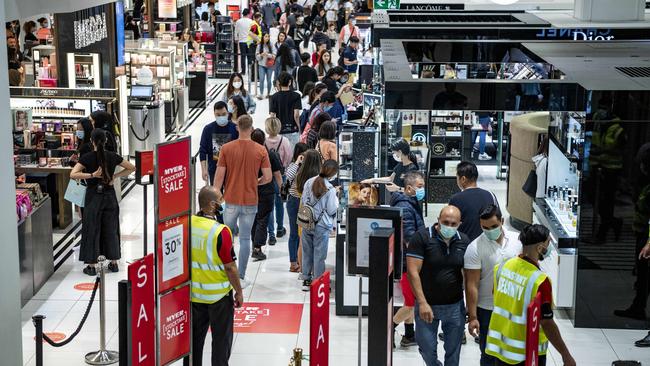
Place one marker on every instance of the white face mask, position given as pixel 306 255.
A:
pixel 236 84
pixel 397 158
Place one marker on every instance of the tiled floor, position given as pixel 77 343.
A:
pixel 64 306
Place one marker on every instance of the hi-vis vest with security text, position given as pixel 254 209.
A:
pixel 516 283
pixel 209 280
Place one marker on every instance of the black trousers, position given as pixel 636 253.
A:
pixel 219 316
pixel 265 204
pixel 642 286
pixel 542 362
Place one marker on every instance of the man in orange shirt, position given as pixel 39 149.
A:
pixel 240 162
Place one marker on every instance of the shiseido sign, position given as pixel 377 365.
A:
pixel 578 34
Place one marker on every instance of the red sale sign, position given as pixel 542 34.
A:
pixel 143 325
pixel 319 320
pixel 172 249
pixel 260 317
pixel 173 177
pixel 532 331
pixel 175 325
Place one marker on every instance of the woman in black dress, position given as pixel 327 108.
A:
pixel 100 233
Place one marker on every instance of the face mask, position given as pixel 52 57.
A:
pixel 354 22
pixel 236 84
pixel 419 193
pixel 230 109
pixel 447 232
pixel 547 253
pixel 397 158
pixel 80 134
pixel 222 207
pixel 344 79
pixel 327 108
pixel 222 120
pixel 493 234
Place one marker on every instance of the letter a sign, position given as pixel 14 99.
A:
pixel 319 321
pixel 532 331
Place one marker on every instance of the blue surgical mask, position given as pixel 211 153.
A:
pixel 447 232
pixel 419 193
pixel 493 234
pixel 327 108
pixel 230 109
pixel 222 120
pixel 547 253
pixel 80 134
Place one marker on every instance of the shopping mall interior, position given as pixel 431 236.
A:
pixel 437 139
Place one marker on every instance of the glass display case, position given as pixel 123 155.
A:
pixel 45 75
pixel 84 70
pixel 161 62
pixel 181 58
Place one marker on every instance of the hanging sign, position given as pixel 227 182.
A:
pixel 319 321
pixel 143 325
pixel 172 250
pixel 173 178
pixel 385 4
pixel 174 325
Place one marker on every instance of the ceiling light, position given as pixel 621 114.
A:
pixel 505 2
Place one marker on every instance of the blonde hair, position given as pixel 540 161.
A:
pixel 273 126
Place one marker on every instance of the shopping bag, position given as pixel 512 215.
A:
pixel 75 193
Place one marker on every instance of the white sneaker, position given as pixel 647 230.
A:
pixel 484 156
pixel 301 277
pixel 245 283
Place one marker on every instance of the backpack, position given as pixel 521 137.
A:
pixel 307 215
pixel 304 118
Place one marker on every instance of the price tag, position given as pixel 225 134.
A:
pixel 172 252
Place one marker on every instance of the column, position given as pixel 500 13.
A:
pixel 609 11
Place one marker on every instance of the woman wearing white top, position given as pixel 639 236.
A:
pixel 306 45
pixel 332 7
pixel 204 24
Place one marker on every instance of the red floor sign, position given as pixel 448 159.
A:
pixel 268 318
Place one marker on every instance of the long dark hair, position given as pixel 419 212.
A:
pixel 317 89
pixel 231 89
pixel 284 53
pixel 320 120
pixel 99 140
pixel 87 127
pixel 267 44
pixel 306 38
pixel 310 168
pixel 105 121
pixel 240 105
pixel 327 170
pixel 298 150
pixel 403 147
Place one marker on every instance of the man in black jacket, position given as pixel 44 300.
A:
pixel 412 221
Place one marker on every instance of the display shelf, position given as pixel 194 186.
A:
pixel 140 53
pixel 224 51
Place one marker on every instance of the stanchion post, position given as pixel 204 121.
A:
pixel 360 319
pixel 38 324
pixel 144 233
pixel 102 357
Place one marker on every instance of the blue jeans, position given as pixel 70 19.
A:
pixel 314 251
pixel 484 316
pixel 481 141
pixel 279 211
pixel 244 216
pixel 293 204
pixel 265 75
pixel 453 326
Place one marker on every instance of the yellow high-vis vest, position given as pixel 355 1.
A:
pixel 516 283
pixel 249 39
pixel 209 280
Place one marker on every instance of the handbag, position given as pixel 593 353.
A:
pixel 530 185
pixel 75 193
pixel 270 62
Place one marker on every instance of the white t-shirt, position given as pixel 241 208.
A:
pixel 484 254
pixel 242 26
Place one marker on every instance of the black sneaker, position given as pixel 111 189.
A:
pixel 113 267
pixel 258 255
pixel 272 240
pixel 281 232
pixel 632 313
pixel 645 342
pixel 407 342
pixel 90 271
pixel 306 285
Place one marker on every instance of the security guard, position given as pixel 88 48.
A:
pixel 516 283
pixel 214 277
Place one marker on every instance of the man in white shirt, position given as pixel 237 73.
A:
pixel 348 31
pixel 495 245
pixel 242 27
